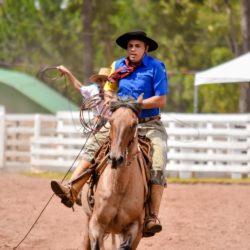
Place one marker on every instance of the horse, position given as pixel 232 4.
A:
pixel 120 192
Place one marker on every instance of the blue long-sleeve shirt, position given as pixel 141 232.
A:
pixel 149 77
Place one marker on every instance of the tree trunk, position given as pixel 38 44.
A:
pixel 244 103
pixel 245 24
pixel 232 38
pixel 87 40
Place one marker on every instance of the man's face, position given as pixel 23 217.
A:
pixel 136 50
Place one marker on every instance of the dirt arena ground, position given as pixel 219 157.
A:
pixel 194 217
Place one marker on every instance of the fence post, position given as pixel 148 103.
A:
pixel 248 145
pixel 37 134
pixel 37 126
pixel 2 136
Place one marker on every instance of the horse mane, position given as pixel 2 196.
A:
pixel 129 102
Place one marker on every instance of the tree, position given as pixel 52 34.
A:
pixel 244 102
pixel 87 40
pixel 192 35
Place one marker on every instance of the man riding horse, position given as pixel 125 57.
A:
pixel 133 75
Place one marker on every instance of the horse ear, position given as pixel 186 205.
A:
pixel 140 98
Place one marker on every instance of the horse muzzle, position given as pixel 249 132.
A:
pixel 115 162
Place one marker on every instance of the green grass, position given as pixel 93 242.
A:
pixel 209 180
pixel 60 176
pixel 47 174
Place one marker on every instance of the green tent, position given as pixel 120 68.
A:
pixel 21 93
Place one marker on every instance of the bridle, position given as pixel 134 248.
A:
pixel 136 109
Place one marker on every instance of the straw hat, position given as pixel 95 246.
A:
pixel 123 40
pixel 101 76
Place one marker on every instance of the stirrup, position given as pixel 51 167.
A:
pixel 62 192
pixel 147 234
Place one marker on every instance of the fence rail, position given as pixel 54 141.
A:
pixel 198 144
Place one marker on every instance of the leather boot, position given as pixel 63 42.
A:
pixel 152 223
pixel 69 192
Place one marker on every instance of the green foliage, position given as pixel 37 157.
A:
pixel 181 89
pixel 192 181
pixel 219 98
pixel 222 97
pixel 193 35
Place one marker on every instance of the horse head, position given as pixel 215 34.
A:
pixel 123 128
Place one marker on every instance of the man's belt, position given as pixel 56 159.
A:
pixel 151 118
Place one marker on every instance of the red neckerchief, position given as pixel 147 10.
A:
pixel 122 72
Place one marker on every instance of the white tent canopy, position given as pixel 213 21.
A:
pixel 236 70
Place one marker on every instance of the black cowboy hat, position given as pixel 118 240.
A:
pixel 122 40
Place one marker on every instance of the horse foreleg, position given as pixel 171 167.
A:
pixel 131 237
pixel 86 241
pixel 137 239
pixel 113 242
pixel 96 234
pixel 126 244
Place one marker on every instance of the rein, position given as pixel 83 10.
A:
pixel 135 134
pixel 129 144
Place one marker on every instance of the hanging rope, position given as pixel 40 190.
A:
pixel 49 73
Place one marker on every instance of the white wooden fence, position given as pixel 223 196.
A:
pixel 197 144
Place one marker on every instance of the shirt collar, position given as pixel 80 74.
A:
pixel 144 61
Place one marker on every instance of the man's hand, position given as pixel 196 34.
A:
pixel 106 103
pixel 71 78
pixel 63 70
pixel 109 97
